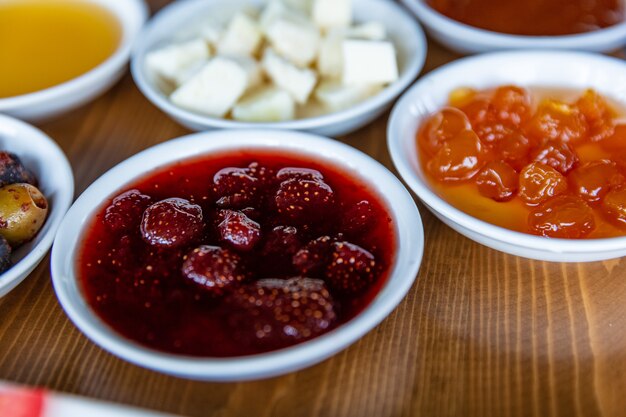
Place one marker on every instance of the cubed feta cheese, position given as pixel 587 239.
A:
pixel 299 82
pixel 330 56
pixel 242 36
pixel 296 40
pixel 328 14
pixel 252 67
pixel 212 33
pixel 214 90
pixel 172 62
pixel 277 9
pixel 336 96
pixel 189 72
pixel 269 104
pixel 369 62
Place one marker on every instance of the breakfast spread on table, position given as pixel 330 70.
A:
pixel 277 64
pixel 280 255
pixel 544 166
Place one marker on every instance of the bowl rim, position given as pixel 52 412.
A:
pixel 409 251
pixel 39 140
pixel 484 37
pixel 396 142
pixel 414 66
pixel 109 65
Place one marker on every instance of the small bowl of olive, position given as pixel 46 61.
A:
pixel 36 190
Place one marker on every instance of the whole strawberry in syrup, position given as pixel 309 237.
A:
pixel 272 313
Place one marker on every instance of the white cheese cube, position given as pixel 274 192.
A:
pixel 173 61
pixel 183 76
pixel 369 62
pixel 372 31
pixel 328 14
pixel 296 40
pixel 251 66
pixel 330 57
pixel 336 96
pixel 299 82
pixel 242 36
pixel 212 32
pixel 214 90
pixel 277 9
pixel 269 104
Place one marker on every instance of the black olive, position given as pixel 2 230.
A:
pixel 13 171
pixel 5 255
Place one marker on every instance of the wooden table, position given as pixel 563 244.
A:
pixel 480 333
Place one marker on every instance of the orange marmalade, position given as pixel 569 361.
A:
pixel 540 165
pixel 533 17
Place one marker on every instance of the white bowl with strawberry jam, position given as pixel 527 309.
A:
pixel 524 152
pixel 238 254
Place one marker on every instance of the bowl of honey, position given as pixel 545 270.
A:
pixel 58 54
pixel 524 152
pixel 476 26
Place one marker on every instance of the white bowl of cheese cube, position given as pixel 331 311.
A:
pixel 323 66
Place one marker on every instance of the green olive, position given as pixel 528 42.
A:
pixel 23 210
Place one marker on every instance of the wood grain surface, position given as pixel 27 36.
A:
pixel 480 333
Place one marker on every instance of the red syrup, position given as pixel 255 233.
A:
pixel 146 292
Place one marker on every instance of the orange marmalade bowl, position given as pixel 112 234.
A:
pixel 463 38
pixel 504 225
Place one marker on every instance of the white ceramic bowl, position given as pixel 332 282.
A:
pixel 468 39
pixel 547 69
pixel 403 30
pixel 46 160
pixel 61 98
pixel 408 229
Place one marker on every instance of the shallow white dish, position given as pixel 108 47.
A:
pixel 548 69
pixel 468 39
pixel 61 98
pixel 46 160
pixel 408 229
pixel 403 30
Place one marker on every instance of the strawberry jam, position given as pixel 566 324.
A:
pixel 533 17
pixel 539 165
pixel 236 254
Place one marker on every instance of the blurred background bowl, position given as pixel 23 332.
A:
pixel 467 39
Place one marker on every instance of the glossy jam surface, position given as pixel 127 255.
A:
pixel 236 254
pixel 546 163
pixel 44 43
pixel 533 17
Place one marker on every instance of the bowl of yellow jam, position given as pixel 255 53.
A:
pixel 59 54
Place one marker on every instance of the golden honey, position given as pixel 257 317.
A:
pixel 44 43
